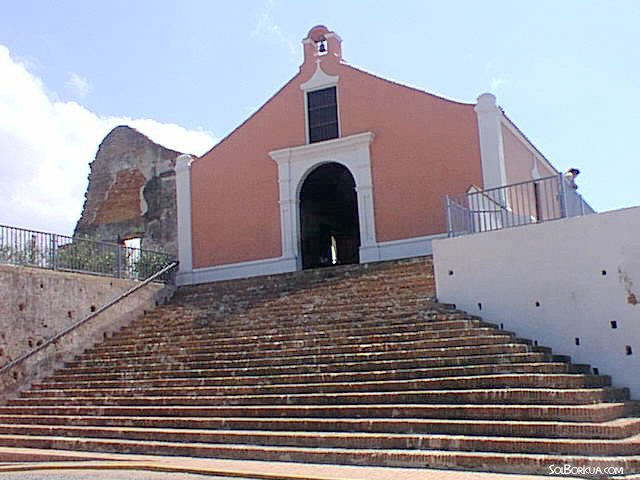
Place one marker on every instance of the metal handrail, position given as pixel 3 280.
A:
pixel 92 315
pixel 515 185
pixel 522 203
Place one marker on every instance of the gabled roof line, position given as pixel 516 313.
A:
pixel 510 124
pixel 405 85
pixel 246 120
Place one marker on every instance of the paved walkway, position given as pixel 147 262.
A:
pixel 19 464
pixel 139 467
pixel 106 475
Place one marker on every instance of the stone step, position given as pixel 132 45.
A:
pixel 372 274
pixel 179 352
pixel 358 274
pixel 321 439
pixel 165 370
pixel 561 381
pixel 378 327
pixel 310 340
pixel 338 293
pixel 206 361
pixel 290 308
pixel 569 396
pixel 231 378
pixel 614 429
pixel 349 301
pixel 595 412
pixel 352 365
pixel 418 279
pixel 488 461
pixel 250 320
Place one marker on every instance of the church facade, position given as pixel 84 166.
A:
pixel 339 166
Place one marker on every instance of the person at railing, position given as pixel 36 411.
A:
pixel 570 176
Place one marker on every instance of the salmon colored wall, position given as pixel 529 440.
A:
pixel 424 147
pixel 235 210
pixel 518 159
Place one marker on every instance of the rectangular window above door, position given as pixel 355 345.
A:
pixel 322 114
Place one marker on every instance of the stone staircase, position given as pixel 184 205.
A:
pixel 349 365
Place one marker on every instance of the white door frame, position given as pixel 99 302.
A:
pixel 295 164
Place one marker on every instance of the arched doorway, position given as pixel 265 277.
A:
pixel 329 226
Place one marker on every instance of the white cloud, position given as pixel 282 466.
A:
pixel 170 135
pixel 496 83
pixel 266 28
pixel 78 84
pixel 46 146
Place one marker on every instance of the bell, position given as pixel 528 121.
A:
pixel 322 47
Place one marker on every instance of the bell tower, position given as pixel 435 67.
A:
pixel 321 44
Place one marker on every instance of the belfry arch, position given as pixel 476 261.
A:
pixel 329 220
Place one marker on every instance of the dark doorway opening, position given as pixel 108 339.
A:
pixel 329 227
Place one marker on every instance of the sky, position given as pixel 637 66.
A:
pixel 187 72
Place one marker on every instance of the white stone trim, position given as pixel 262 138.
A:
pixel 183 210
pixel 268 266
pixel 395 249
pixel 407 247
pixel 295 163
pixel 318 81
pixel 491 143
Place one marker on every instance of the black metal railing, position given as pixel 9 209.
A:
pixel 53 251
pixel 534 201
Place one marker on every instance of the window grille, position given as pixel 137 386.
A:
pixel 322 110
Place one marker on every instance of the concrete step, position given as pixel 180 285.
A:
pixel 595 412
pixel 541 396
pixel 565 381
pixel 488 461
pixel 615 429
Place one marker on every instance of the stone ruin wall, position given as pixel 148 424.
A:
pixel 131 192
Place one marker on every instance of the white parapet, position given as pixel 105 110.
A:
pixel 570 284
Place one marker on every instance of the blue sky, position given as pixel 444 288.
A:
pixel 187 72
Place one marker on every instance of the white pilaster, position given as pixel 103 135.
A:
pixel 369 251
pixel 491 145
pixel 183 207
pixel 288 207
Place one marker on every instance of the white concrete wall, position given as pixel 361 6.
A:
pixel 556 282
